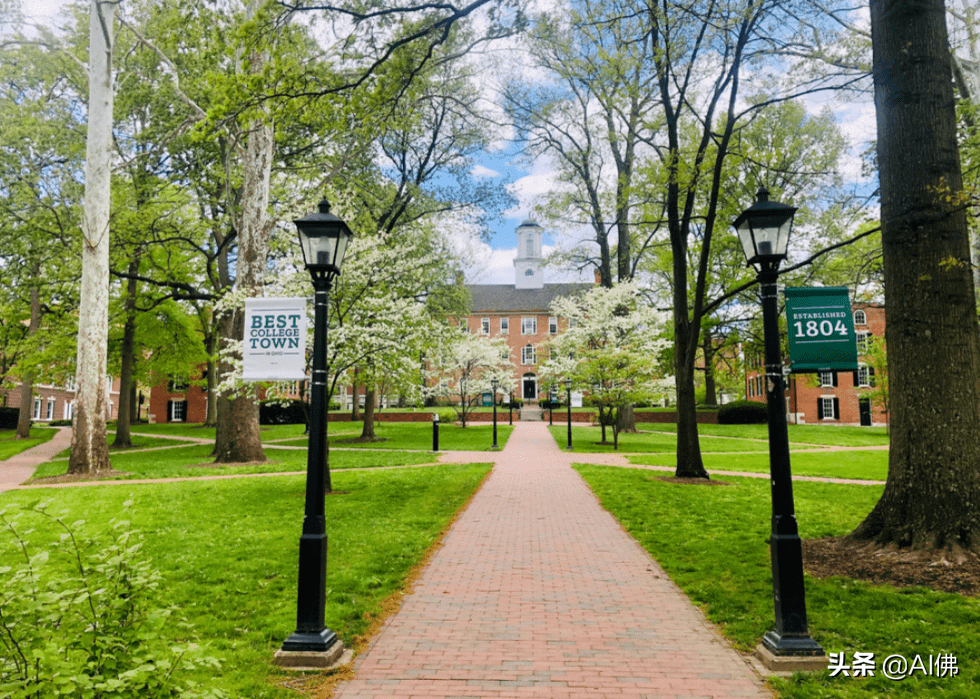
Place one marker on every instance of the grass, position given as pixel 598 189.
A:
pixel 826 435
pixel 227 551
pixel 712 541
pixel 418 436
pixel 861 465
pixel 182 462
pixel 10 445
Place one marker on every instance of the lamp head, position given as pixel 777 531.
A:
pixel 323 238
pixel 764 229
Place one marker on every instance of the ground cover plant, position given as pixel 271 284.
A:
pixel 10 445
pixel 418 436
pixel 856 464
pixel 226 553
pixel 190 461
pixel 713 542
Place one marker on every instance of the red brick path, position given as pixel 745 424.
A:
pixel 538 592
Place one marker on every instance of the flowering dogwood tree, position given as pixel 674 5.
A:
pixel 611 349
pixel 463 368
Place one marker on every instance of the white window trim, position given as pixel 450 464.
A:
pixel 505 326
pixel 173 411
pixel 49 409
pixel 824 402
pixel 36 412
pixel 864 376
pixel 826 384
pixel 863 316
pixel 529 321
pixel 69 410
pixel 552 325
pixel 528 355
pixel 862 341
pixel 484 326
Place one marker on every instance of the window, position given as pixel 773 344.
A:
pixel 860 318
pixel 49 413
pixel 760 382
pixel 484 326
pixel 177 384
pixel 828 408
pixel 505 326
pixel 505 354
pixel 36 414
pixel 529 273
pixel 70 383
pixel 529 326
pixel 177 410
pixel 862 342
pixel 528 355
pixel 462 326
pixel 69 410
pixel 553 325
pixel 572 323
pixel 828 378
pixel 751 389
pixel 864 377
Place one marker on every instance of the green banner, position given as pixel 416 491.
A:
pixel 820 326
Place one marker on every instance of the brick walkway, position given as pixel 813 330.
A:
pixel 538 592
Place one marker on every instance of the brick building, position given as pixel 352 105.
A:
pixel 830 397
pixel 56 402
pixel 521 314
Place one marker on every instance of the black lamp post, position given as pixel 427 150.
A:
pixel 553 394
pixel 323 238
pixel 764 229
pixel 568 390
pixel 494 382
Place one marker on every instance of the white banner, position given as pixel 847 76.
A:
pixel 275 340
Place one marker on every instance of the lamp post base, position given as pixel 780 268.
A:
pixel 780 663
pixel 310 650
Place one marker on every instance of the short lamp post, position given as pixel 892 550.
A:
pixel 494 382
pixel 323 238
pixel 764 229
pixel 568 391
pixel 553 395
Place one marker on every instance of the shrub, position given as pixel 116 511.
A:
pixel 77 617
pixel 743 412
pixel 447 414
pixel 282 412
pixel 60 423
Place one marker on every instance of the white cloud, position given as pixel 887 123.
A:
pixel 481 172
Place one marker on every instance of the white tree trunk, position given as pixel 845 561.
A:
pixel 89 449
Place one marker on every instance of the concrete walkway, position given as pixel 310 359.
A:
pixel 538 592
pixel 20 467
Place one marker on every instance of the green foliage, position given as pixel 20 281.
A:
pixel 78 618
pixel 10 445
pixel 743 412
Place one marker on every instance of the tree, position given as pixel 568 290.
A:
pixel 932 495
pixel 89 445
pixel 464 366
pixel 612 349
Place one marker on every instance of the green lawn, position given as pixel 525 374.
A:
pixel 861 465
pixel 417 436
pixel 227 551
pixel 712 541
pixel 10 445
pixel 828 435
pixel 196 461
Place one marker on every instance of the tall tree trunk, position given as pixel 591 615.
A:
pixel 708 351
pixel 90 446
pixel 690 464
pixel 211 416
pixel 237 437
pixel 27 380
pixel 127 358
pixel 367 431
pixel 932 495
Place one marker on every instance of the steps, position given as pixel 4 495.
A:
pixel 531 413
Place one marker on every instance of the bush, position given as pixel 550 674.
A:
pixel 282 412
pixel 743 412
pixel 78 618
pixel 8 418
pixel 447 414
pixel 59 423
